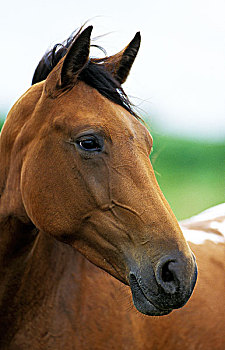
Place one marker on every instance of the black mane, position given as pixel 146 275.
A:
pixel 94 74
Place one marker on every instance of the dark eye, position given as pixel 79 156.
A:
pixel 89 144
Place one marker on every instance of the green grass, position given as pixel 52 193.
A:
pixel 190 174
pixel 1 123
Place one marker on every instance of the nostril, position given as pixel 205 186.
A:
pixel 167 275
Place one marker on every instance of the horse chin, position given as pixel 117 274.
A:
pixel 143 304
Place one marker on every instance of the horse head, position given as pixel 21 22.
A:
pixel 82 174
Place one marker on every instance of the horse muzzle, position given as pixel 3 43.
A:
pixel 157 291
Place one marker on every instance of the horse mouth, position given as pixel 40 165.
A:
pixel 142 303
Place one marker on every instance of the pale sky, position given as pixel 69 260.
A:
pixel 178 78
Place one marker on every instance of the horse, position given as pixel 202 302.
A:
pixel 85 231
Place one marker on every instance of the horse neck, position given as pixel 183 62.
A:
pixel 35 282
pixel 16 119
pixel 53 288
pixel 32 256
pixel 15 239
pixel 16 230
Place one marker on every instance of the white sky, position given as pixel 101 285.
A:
pixel 179 71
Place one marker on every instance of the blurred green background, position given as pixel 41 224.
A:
pixel 1 123
pixel 190 173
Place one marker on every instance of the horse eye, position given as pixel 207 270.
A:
pixel 89 144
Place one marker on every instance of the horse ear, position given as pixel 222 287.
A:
pixel 120 64
pixel 76 58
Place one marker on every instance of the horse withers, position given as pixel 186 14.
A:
pixel 76 178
